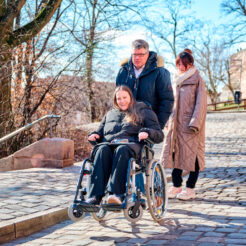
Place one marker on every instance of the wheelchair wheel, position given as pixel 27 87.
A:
pixel 74 213
pixel 100 215
pixel 130 216
pixel 156 190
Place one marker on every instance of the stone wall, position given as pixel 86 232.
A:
pixel 48 152
pixel 79 135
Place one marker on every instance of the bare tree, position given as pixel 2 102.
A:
pixel 225 77
pixel 212 60
pixel 172 24
pixel 236 26
pixel 94 24
pixel 10 38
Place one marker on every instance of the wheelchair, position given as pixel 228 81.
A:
pixel 155 190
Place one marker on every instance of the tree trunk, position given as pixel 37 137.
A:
pixel 29 73
pixel 6 119
pixel 89 84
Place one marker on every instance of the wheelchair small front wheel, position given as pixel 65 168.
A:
pixel 156 190
pixel 100 215
pixel 132 216
pixel 74 213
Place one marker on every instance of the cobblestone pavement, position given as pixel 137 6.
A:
pixel 216 217
pixel 30 191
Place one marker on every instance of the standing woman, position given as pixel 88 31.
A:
pixel 184 146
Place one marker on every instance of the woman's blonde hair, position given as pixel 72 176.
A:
pixel 131 114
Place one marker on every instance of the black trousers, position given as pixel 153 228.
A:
pixel 192 179
pixel 110 161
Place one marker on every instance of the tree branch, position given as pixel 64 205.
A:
pixel 28 31
pixel 49 34
pixel 52 84
pixel 13 10
pixel 2 8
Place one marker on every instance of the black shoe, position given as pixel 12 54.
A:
pixel 94 200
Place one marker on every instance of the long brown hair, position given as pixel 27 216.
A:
pixel 131 114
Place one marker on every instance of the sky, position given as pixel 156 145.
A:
pixel 208 9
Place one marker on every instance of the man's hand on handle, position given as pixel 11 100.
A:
pixel 142 136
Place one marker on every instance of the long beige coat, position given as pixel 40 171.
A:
pixel 189 111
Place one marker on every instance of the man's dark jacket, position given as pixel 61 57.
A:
pixel 113 126
pixel 153 86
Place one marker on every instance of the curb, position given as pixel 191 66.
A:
pixel 30 224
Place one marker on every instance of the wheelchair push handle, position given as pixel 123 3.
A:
pixel 93 143
pixel 94 138
pixel 147 141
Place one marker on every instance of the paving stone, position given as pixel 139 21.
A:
pixel 125 244
pixel 211 244
pixel 7 216
pixel 235 244
pixel 242 231
pixel 226 229
pixel 192 233
pixel 210 239
pixel 157 242
pixel 237 235
pixel 214 234
pixel 204 229
pixel 136 240
pixel 181 243
pixel 234 241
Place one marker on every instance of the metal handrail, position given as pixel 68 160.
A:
pixel 30 125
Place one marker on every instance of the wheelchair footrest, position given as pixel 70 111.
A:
pixel 112 207
pixel 85 207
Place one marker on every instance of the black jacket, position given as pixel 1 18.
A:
pixel 153 86
pixel 113 126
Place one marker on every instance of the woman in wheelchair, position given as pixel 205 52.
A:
pixel 119 136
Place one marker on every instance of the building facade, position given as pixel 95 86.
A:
pixel 237 76
pixel 238 72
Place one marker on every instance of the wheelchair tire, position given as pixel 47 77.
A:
pixel 74 213
pixel 156 190
pixel 100 215
pixel 128 213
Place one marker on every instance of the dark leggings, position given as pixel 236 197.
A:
pixel 193 176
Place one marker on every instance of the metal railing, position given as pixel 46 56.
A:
pixel 50 117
